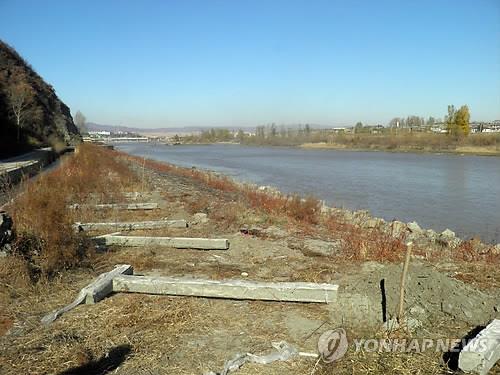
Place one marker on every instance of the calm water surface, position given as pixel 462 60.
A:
pixel 438 191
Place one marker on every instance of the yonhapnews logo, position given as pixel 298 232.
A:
pixel 332 345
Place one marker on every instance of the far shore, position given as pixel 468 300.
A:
pixel 461 150
pixel 469 150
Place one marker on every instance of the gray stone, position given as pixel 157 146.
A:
pixel 414 227
pixel 495 250
pixel 483 351
pixel 411 324
pixel 232 289
pixel 431 234
pixel 313 247
pixel 274 231
pixel 447 233
pixel 448 238
pixel 398 228
pixel 6 234
pixel 200 218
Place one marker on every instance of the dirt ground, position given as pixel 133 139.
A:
pixel 146 334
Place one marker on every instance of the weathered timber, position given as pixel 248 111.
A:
pixel 482 352
pixel 232 289
pixel 177 242
pixel 131 225
pixel 116 206
pixel 92 293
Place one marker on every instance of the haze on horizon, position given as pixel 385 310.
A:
pixel 244 63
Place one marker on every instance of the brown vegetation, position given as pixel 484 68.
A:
pixel 43 223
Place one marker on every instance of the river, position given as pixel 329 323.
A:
pixel 437 191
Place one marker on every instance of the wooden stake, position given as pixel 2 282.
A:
pixel 409 245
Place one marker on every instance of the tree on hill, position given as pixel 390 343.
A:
pixel 20 96
pixel 81 122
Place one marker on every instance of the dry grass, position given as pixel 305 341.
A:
pixel 45 238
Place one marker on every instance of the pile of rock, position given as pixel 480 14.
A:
pixel 6 234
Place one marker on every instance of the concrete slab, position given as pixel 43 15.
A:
pixel 134 225
pixel 232 289
pixel 482 352
pixel 177 242
pixel 117 206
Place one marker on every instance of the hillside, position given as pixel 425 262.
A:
pixel 31 114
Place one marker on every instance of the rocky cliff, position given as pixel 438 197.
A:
pixel 31 114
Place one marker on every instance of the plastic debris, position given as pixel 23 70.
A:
pixel 284 352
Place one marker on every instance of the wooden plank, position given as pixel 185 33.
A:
pixel 177 242
pixel 116 206
pixel 134 225
pixel 482 352
pixel 92 293
pixel 232 289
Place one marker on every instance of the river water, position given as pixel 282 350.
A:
pixel 438 191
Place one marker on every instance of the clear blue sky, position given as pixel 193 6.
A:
pixel 243 63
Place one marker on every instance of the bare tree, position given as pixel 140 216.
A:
pixel 80 121
pixel 20 96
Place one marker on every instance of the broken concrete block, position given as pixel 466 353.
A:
pixel 92 293
pixel 177 242
pixel 483 351
pixel 232 289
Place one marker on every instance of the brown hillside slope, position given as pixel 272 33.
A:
pixel 44 121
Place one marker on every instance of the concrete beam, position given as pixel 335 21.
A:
pixel 117 206
pixel 79 227
pixel 232 289
pixel 482 352
pixel 177 242
pixel 92 293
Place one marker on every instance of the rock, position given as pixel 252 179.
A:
pixel 447 238
pixel 371 223
pixel 313 247
pixel 495 250
pixel 200 218
pixel 6 234
pixel 414 227
pixel 431 234
pixel 411 324
pixel 447 233
pixel 398 228
pixel 274 231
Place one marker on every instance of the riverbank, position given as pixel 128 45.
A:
pixel 272 238
pixel 461 150
pixel 485 144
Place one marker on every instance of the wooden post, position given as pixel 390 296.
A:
pixel 409 245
